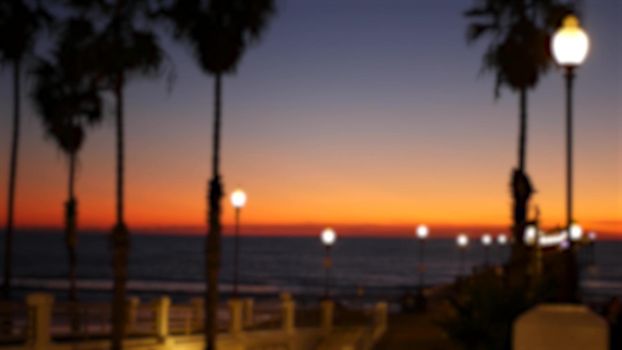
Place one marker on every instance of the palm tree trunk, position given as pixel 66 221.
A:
pixel 120 235
pixel 71 239
pixel 212 248
pixel 522 140
pixel 8 243
pixel 521 185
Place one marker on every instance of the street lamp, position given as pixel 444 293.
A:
pixel 592 241
pixel 576 232
pixel 422 234
pixel 530 236
pixel 328 238
pixel 486 241
pixel 502 240
pixel 238 200
pixel 570 46
pixel 462 241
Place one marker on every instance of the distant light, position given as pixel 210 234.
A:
pixel 552 239
pixel 576 232
pixel 502 239
pixel 564 244
pixel 486 239
pixel 328 236
pixel 238 199
pixel 462 240
pixel 592 236
pixel 422 231
pixel 570 43
pixel 530 235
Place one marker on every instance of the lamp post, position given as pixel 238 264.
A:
pixel 422 233
pixel 462 241
pixel 570 46
pixel 502 241
pixel 532 238
pixel 238 200
pixel 592 242
pixel 486 242
pixel 328 238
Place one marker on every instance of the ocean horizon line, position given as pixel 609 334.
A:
pixel 294 231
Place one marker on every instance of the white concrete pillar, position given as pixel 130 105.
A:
pixel 162 308
pixel 197 313
pixel 40 307
pixel 132 313
pixel 381 317
pixel 249 312
pixel 327 311
pixel 288 310
pixel 235 310
pixel 560 326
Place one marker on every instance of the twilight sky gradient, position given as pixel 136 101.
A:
pixel 364 113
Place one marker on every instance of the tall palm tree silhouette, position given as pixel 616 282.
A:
pixel 125 47
pixel 518 55
pixel 66 96
pixel 20 22
pixel 218 31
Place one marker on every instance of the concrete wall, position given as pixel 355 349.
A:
pixel 560 326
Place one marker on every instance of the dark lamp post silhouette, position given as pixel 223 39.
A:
pixel 328 238
pixel 422 233
pixel 238 200
pixel 486 242
pixel 462 241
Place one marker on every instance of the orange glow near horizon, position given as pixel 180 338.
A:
pixel 292 205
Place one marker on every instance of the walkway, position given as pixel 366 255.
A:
pixel 414 332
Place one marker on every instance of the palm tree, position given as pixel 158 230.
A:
pixel 518 55
pixel 218 31
pixel 67 99
pixel 124 49
pixel 19 25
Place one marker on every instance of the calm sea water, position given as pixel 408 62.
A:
pixel 174 264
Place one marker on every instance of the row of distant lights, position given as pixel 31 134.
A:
pixel 328 236
pixel 462 240
pixel 534 236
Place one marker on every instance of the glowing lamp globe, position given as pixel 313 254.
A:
pixel 570 43
pixel 422 231
pixel 486 239
pixel 462 240
pixel 502 239
pixel 576 232
pixel 592 236
pixel 238 199
pixel 530 234
pixel 328 237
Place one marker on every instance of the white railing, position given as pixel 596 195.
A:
pixel 40 323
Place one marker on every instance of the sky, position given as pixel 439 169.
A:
pixel 370 116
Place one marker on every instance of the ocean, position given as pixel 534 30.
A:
pixel 374 267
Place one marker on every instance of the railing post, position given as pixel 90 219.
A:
pixel 235 309
pixel 162 313
pixel 132 313
pixel 197 313
pixel 40 307
pixel 288 309
pixel 327 314
pixel 248 312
